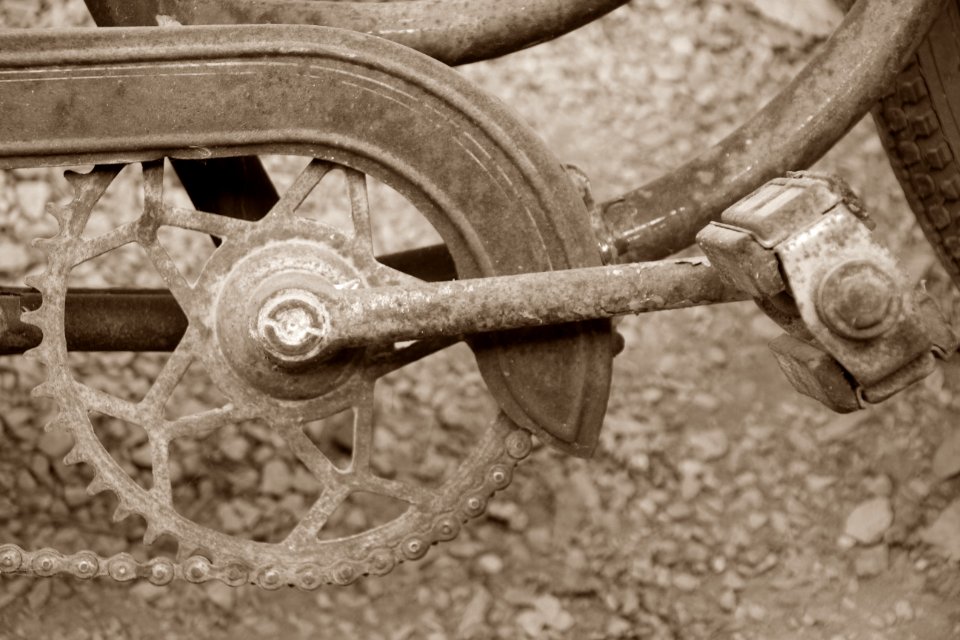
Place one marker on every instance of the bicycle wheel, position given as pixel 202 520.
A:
pixel 919 124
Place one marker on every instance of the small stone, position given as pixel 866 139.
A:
pixel 869 521
pixel 679 511
pixel 728 601
pixel 841 427
pixel 75 496
pixel 142 456
pixel 946 462
pixel 39 594
pixel 55 444
pixel 32 196
pixel 14 258
pixel 872 561
pixel 880 485
pixel 618 627
pixel 25 481
pixel 238 516
pixel 235 448
pixel 490 564
pixel 817 484
pixel 221 595
pixel 475 614
pixel 757 520
pixel 903 610
pixel 686 582
pixel 708 445
pixel 531 622
pixel 276 478
pixel 756 612
pixel 944 533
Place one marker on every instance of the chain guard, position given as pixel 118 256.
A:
pixel 500 201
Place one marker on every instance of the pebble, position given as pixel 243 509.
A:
pixel 238 515
pixel 75 496
pixel 872 561
pixel 221 595
pixel 944 533
pixel 490 564
pixel 55 444
pixel 869 521
pixel 14 258
pixel 880 485
pixel 235 448
pixel 276 478
pixel 903 610
pixel 728 600
pixel 32 197
pixel 817 484
pixel 708 445
pixel 686 582
pixel 39 594
pixel 475 614
pixel 946 462
pixel 142 456
pixel 618 627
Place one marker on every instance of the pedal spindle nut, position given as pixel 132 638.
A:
pixel 859 300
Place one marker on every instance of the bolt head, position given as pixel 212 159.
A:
pixel 292 326
pixel 859 300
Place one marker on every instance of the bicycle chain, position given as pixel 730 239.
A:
pixel 123 567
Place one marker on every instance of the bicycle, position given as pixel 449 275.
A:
pixel 305 346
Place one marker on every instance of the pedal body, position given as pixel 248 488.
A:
pixel 856 329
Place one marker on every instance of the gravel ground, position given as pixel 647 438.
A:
pixel 720 504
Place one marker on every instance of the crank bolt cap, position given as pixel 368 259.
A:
pixel 859 300
pixel 292 326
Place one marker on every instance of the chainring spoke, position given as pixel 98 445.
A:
pixel 301 188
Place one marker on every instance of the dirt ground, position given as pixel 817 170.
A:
pixel 720 504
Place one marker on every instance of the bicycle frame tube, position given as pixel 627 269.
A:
pixel 452 31
pixel 852 71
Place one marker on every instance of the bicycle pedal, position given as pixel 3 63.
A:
pixel 857 331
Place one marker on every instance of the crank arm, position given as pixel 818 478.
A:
pixel 463 307
pixel 151 320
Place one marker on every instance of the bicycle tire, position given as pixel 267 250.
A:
pixel 919 125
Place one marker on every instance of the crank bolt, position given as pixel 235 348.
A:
pixel 292 326
pixel 859 300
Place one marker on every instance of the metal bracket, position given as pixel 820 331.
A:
pixel 857 331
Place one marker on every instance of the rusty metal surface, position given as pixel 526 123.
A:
pixel 115 320
pixel 384 315
pixel 97 320
pixel 133 95
pixel 793 130
pixel 238 271
pixel 870 342
pixel 452 31
pixel 858 330
pixel 814 373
